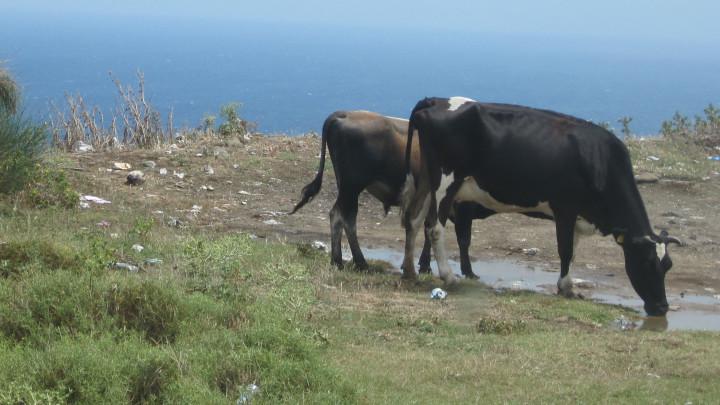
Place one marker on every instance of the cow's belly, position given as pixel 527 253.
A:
pixel 470 192
pixel 383 192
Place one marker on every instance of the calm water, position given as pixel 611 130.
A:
pixel 290 77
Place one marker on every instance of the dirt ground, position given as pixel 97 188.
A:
pixel 255 184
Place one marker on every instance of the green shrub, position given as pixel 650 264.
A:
pixel 8 92
pixel 147 307
pixel 150 377
pixel 233 125
pixel 21 145
pixel 50 188
pixel 22 393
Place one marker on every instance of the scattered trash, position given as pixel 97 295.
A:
pixel 149 164
pixel 179 175
pixel 195 209
pixel 714 157
pixel 83 147
pixel 158 212
pixel 174 222
pixel 243 202
pixel 121 166
pixel 126 266
pixel 624 324
pixel 114 235
pixel 135 178
pixel 438 294
pixel 248 393
pixel 272 222
pixel 93 199
pixel 84 205
pixel 207 188
pixel 163 171
pixel 653 158
pixel 103 224
pixel 152 261
pixel 198 155
pixel 235 166
pixel 207 169
pixel 320 246
pixel 138 248
pixel 709 289
pixel 531 251
pixel 653 375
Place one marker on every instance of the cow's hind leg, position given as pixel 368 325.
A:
pixel 336 232
pixel 350 211
pixel 463 233
pixel 436 230
pixel 565 230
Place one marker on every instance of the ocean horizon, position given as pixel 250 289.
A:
pixel 289 77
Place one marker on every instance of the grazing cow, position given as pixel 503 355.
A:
pixel 368 152
pixel 509 158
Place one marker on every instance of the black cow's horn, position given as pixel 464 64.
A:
pixel 671 239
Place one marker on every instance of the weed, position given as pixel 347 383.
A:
pixel 500 326
pixel 21 145
pixel 50 188
pixel 150 379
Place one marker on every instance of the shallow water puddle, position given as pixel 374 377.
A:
pixel 695 312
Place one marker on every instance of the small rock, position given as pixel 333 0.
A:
pixel 174 222
pixel 126 266
pixel 135 178
pixel 83 204
pixel 649 178
pixel 199 155
pixel 531 251
pixel 138 248
pixel 121 166
pixel 272 222
pixel 149 164
pixel 196 209
pixel 207 169
pixel 163 171
pixel 235 166
pixel 653 158
pixel 220 153
pixel 179 175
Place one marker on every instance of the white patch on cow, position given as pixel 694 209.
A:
pixel 470 191
pixel 660 250
pixel 456 102
pixel 445 182
pixel 437 235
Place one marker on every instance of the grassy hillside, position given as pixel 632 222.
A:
pixel 224 309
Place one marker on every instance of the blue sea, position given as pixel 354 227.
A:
pixel 289 77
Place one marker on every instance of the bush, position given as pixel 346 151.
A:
pixel 21 145
pixel 233 125
pixel 8 92
pixel 50 188
pixel 702 130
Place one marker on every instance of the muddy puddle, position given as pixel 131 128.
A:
pixel 688 312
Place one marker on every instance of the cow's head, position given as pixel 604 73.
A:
pixel 646 262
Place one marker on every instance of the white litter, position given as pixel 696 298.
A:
pixel 179 175
pixel 138 248
pixel 438 294
pixel 93 199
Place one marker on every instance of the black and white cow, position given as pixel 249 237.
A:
pixel 510 158
pixel 368 153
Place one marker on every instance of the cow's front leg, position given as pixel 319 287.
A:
pixel 463 233
pixel 424 261
pixel 565 232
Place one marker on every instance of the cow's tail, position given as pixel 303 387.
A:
pixel 410 186
pixel 313 188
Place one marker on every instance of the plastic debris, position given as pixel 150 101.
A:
pixel 625 324
pixel 84 205
pixel 138 248
pixel 153 261
pixel 208 170
pixel 320 245
pixel 126 266
pixel 163 171
pixel 438 294
pixel 93 199
pixel 121 166
pixel 653 158
pixel 179 175
pixel 714 157
pixel 248 393
pixel 83 147
pixel 195 209
pixel 103 224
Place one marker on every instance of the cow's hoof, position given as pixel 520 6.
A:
pixel 361 266
pixel 568 294
pixel 450 279
pixel 409 275
pixel 425 269
pixel 471 276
